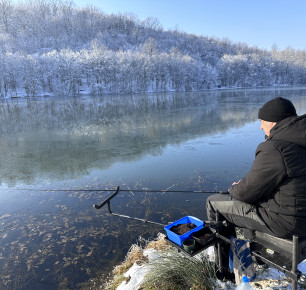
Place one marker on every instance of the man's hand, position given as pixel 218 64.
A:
pixel 236 182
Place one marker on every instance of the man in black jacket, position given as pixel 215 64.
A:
pixel 271 198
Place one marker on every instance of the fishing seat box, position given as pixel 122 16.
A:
pixel 179 239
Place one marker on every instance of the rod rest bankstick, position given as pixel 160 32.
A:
pixel 107 201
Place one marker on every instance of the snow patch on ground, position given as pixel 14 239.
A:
pixel 137 273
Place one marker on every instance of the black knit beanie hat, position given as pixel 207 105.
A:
pixel 276 110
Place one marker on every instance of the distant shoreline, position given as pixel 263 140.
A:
pixel 86 93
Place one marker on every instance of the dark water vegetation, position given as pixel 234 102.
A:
pixel 58 154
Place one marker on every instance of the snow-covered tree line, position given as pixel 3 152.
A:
pixel 54 47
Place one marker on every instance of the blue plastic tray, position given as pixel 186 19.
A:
pixel 179 239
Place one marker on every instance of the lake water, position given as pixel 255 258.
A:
pixel 57 155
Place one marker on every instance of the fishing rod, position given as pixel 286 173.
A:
pixel 108 200
pixel 125 190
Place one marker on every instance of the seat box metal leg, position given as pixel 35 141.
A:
pixel 295 243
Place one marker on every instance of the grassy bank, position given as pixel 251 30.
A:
pixel 166 269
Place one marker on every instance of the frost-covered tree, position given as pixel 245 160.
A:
pixel 50 46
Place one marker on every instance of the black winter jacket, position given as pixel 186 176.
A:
pixel 276 183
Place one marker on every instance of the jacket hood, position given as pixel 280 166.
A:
pixel 292 129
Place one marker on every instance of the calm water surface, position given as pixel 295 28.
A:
pixel 57 155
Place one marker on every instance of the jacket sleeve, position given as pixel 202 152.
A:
pixel 267 171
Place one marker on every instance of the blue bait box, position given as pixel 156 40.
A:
pixel 179 239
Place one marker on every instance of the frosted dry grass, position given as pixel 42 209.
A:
pixel 173 270
pixel 135 255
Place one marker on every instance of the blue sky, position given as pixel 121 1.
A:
pixel 255 22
